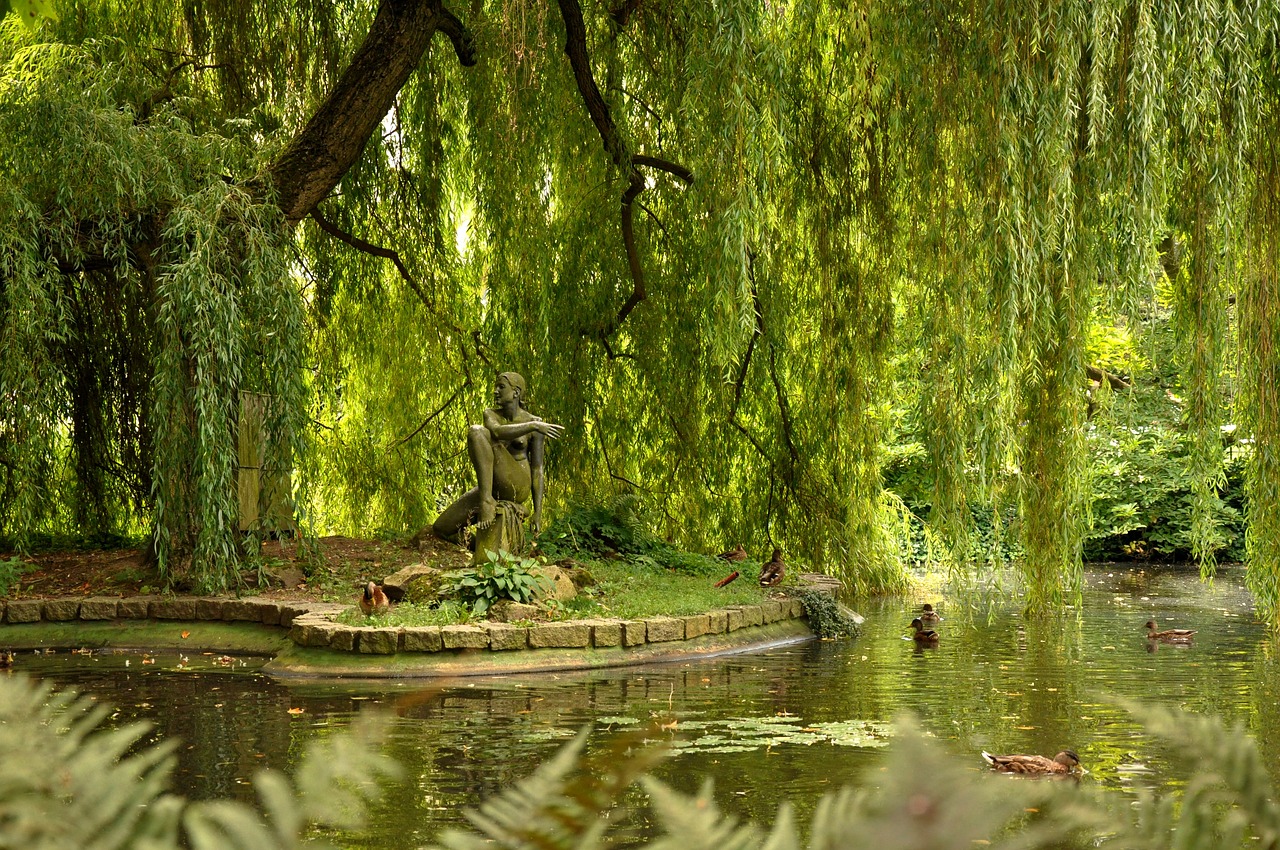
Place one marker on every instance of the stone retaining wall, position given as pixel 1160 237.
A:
pixel 311 624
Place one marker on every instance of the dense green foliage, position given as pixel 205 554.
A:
pixel 108 796
pixel 746 252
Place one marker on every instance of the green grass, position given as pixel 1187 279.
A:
pixel 623 589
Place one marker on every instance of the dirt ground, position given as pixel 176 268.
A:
pixel 343 566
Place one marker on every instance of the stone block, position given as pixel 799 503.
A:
pixel 242 610
pixel 751 615
pixel 98 608
pixel 696 625
pixel 717 622
pixel 771 610
pixel 422 639
pixel 735 619
pixel 343 639
pixel 664 629
pixel 464 637
pixel 506 636
pixel 302 633
pixel 61 609
pixel 606 633
pixel 507 611
pixel 135 607
pixel 23 611
pixel 270 613
pixel 378 641
pixel 321 634
pixel 418 583
pixel 289 610
pixel 209 609
pixel 797 609
pixel 571 635
pixel 633 632
pixel 178 608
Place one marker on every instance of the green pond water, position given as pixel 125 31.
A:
pixel 793 722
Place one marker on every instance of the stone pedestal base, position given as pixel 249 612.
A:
pixel 506 532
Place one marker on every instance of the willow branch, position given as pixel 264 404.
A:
pixel 375 250
pixel 575 48
pixel 429 419
pixel 746 363
pixel 1100 375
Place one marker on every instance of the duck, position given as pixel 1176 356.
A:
pixel 374 601
pixel 1064 762
pixel 6 659
pixel 928 615
pixel 922 634
pixel 772 573
pixel 734 555
pixel 1168 635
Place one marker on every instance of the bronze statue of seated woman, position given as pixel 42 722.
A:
pixel 507 454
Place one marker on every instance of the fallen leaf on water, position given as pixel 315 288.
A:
pixel 297 710
pixel 186 635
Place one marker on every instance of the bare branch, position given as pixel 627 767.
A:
pixel 376 250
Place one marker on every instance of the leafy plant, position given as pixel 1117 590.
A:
pixel 827 617
pixel 11 570
pixel 93 787
pixel 503 576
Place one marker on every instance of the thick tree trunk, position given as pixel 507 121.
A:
pixel 309 169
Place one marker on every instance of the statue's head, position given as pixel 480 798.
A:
pixel 517 382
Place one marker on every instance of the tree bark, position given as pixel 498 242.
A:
pixel 318 157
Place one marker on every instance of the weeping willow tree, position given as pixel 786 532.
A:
pixel 701 231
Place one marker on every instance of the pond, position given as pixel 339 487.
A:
pixel 790 723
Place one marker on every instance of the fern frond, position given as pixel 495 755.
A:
pixel 64 783
pixel 338 777
pixel 695 823
pixel 562 805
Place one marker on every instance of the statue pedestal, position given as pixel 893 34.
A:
pixel 506 532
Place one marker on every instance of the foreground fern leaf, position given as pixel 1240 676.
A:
pixel 85 791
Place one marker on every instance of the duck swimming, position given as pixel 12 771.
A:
pixel 1064 762
pixel 922 634
pixel 928 615
pixel 1168 635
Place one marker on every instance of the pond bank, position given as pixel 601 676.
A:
pixel 306 643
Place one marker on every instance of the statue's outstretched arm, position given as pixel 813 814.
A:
pixel 513 430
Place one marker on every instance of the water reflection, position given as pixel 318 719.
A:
pixel 793 722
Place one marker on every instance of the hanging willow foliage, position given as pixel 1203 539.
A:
pixel 713 237
pixel 127 337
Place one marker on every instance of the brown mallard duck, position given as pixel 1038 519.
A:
pixel 928 615
pixel 1168 635
pixel 374 600
pixel 772 573
pixel 1064 762
pixel 6 659
pixel 734 555
pixel 922 634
